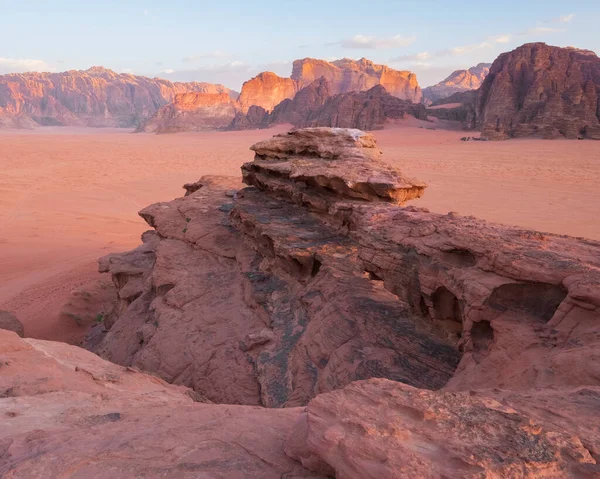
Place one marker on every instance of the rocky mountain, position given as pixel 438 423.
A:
pixel 348 75
pixel 417 344
pixel 542 91
pixel 192 112
pixel 314 106
pixel 457 81
pixel 95 97
pixel 268 89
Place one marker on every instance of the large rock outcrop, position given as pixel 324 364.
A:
pixel 348 75
pixel 286 290
pixel 266 90
pixel 366 110
pixel 542 91
pixel 192 112
pixel 94 97
pixel 457 81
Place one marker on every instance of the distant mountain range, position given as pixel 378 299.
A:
pixel 457 81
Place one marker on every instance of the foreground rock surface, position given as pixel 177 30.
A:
pixel 543 91
pixel 380 429
pixel 66 412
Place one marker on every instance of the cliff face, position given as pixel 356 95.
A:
pixel 266 90
pixel 95 97
pixel 192 112
pixel 457 81
pixel 366 110
pixel 541 90
pixel 349 75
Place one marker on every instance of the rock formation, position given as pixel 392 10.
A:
pixel 266 90
pixel 367 110
pixel 10 322
pixel 542 91
pixel 94 97
pixel 457 81
pixel 422 345
pixel 192 112
pixel 275 288
pixel 348 75
pixel 458 107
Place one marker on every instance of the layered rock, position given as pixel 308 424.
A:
pixel 543 91
pixel 316 278
pixel 66 412
pixel 192 112
pixel 367 110
pixel 348 75
pixel 457 81
pixel 266 90
pixel 94 97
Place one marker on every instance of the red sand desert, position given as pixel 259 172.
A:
pixel 70 196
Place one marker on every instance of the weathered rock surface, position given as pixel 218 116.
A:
pixel 348 75
pixel 66 412
pixel 266 90
pixel 543 91
pixel 380 429
pixel 94 97
pixel 366 110
pixel 457 107
pixel 252 120
pixel 457 81
pixel 192 112
pixel 315 278
pixel 9 322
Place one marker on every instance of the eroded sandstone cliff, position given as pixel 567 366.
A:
pixel 542 91
pixel 95 97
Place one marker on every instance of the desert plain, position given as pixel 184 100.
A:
pixel 69 196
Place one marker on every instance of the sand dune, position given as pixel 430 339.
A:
pixel 68 197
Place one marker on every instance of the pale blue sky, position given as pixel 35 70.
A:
pixel 228 42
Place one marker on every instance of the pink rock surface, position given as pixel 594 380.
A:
pixel 380 429
pixel 66 412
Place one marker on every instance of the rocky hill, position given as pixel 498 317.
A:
pixel 192 112
pixel 418 344
pixel 96 97
pixel 268 89
pixel 542 91
pixel 457 81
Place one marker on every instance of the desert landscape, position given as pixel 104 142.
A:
pixel 381 262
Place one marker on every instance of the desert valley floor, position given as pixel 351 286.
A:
pixel 70 196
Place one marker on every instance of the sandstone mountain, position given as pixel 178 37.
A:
pixel 94 97
pixel 457 81
pixel 543 91
pixel 314 106
pixel 192 112
pixel 422 345
pixel 268 89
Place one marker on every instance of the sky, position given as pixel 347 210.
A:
pixel 230 42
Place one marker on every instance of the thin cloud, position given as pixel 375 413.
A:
pixel 215 54
pixel 417 57
pixel 168 71
pixel 364 42
pixel 502 39
pixel 12 65
pixel 538 30
pixel 565 18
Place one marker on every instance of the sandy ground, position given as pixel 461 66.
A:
pixel 69 196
